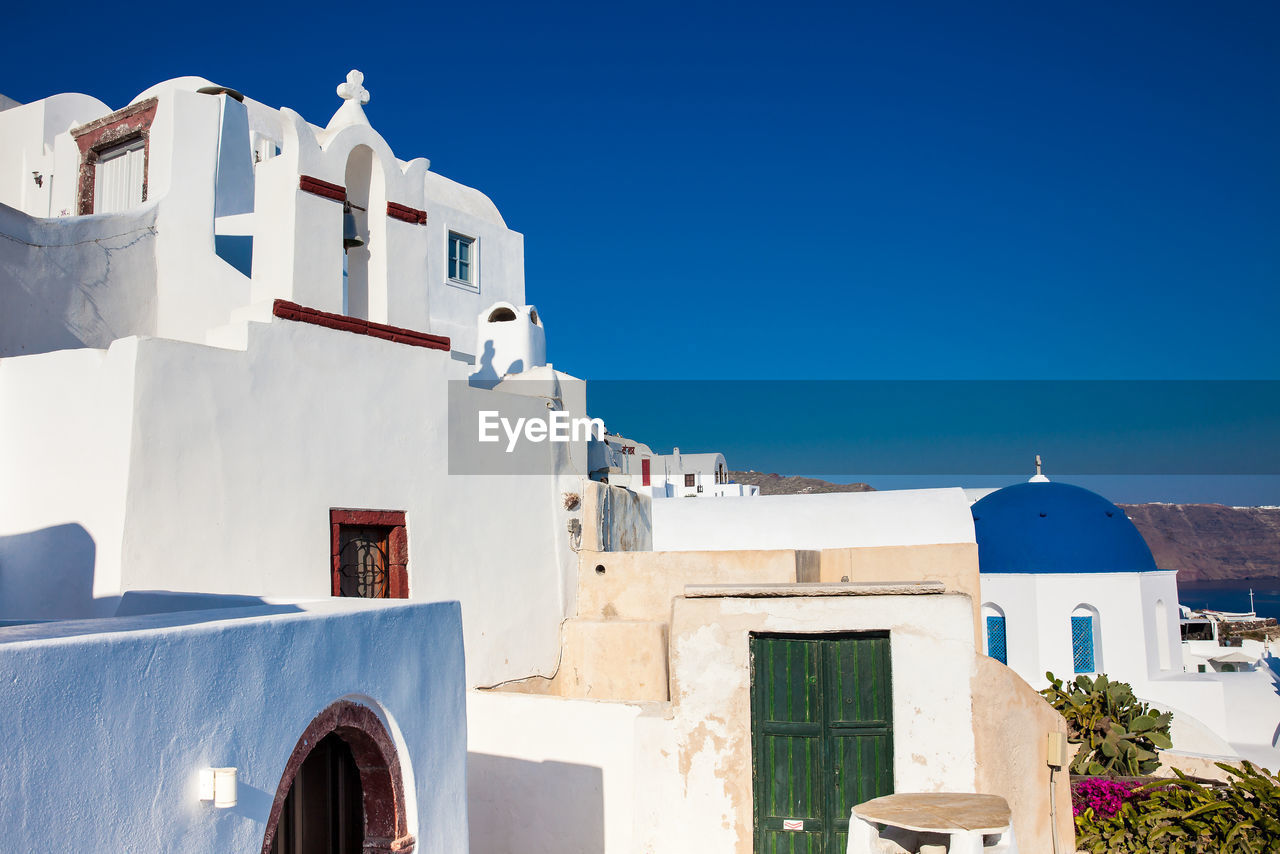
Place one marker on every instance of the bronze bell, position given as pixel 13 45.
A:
pixel 350 234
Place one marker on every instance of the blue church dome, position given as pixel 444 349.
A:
pixel 1045 527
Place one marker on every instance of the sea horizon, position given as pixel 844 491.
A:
pixel 1233 595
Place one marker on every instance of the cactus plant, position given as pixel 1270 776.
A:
pixel 1118 734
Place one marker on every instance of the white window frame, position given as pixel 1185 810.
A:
pixel 472 284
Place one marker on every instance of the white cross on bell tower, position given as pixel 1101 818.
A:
pixel 353 89
pixel 353 94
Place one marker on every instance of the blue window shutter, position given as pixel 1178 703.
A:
pixel 1082 643
pixel 997 648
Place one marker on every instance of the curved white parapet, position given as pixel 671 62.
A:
pixel 510 339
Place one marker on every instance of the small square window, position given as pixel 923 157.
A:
pixel 462 258
pixel 370 553
pixel 689 480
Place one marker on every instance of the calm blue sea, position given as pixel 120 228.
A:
pixel 1233 595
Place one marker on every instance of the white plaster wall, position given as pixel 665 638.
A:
pixel 500 253
pixel 237 458
pixel 834 520
pixel 27 134
pixel 1242 709
pixel 1194 695
pixel 1016 596
pixel 297 246
pixel 76 281
pixel 114 718
pixel 64 450
pixel 195 289
pixel 1157 587
pixel 548 775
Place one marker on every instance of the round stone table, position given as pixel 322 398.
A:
pixel 966 818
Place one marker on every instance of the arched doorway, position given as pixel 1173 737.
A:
pixel 323 812
pixel 341 791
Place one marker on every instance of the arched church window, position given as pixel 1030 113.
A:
pixel 1085 648
pixel 997 640
pixel 1162 634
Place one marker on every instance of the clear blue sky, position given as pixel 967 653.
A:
pixel 774 191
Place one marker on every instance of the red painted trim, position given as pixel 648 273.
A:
pixel 292 311
pixel 397 546
pixel 406 213
pixel 322 188
pixel 386 828
pixel 100 134
pixel 386 518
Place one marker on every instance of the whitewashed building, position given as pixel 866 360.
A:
pixel 229 338
pixel 244 355
pixel 634 465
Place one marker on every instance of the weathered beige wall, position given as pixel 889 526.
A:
pixel 613 660
pixel 1011 723
pixel 954 564
pixel 615 519
pixel 699 769
pixel 616 647
pixel 641 585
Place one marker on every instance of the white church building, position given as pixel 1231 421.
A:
pixel 228 337
pixel 1069 586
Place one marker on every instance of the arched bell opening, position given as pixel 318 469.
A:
pixel 364 280
pixel 342 791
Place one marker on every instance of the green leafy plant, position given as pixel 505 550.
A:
pixel 1181 816
pixel 1118 734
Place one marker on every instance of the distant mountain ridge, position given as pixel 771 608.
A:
pixel 1204 542
pixel 1211 542
pixel 776 484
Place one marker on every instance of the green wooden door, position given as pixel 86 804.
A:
pixel 821 734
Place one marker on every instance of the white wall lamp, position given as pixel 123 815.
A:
pixel 218 785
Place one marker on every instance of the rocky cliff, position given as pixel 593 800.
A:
pixel 1210 542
